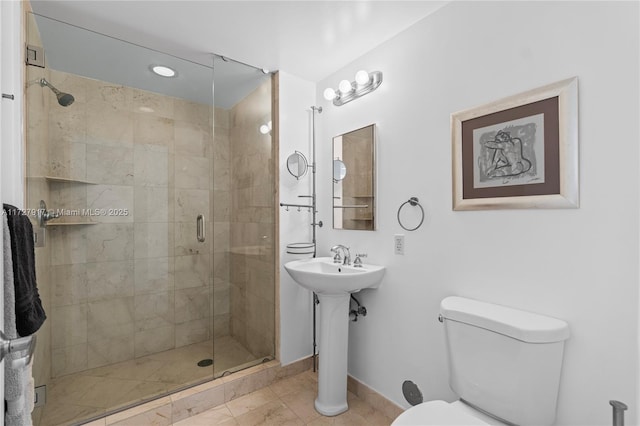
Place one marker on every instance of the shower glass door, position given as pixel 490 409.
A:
pixel 244 217
pixel 126 160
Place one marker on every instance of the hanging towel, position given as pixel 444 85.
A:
pixel 29 312
pixel 18 381
pixel 23 418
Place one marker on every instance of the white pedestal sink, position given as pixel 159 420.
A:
pixel 333 283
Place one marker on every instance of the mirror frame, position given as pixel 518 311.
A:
pixel 372 202
pixel 300 157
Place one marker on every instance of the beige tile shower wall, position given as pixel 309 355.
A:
pixel 357 185
pixel 252 224
pixel 221 207
pixel 137 282
pixel 39 103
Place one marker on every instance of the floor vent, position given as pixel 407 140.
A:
pixel 411 392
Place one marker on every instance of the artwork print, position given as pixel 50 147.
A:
pixel 509 153
pixel 519 152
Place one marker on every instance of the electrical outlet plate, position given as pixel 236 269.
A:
pixel 398 244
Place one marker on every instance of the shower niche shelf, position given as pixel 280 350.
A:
pixel 74 223
pixel 55 179
pixel 75 220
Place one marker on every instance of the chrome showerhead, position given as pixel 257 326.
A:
pixel 64 99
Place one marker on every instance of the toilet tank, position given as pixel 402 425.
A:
pixel 504 361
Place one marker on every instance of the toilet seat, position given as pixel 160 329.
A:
pixel 437 413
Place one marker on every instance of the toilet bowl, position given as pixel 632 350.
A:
pixel 504 365
pixel 442 413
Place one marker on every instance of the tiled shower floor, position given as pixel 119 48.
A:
pixel 90 393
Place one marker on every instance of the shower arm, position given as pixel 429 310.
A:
pixel 43 82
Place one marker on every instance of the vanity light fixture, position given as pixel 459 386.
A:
pixel 347 91
pixel 163 70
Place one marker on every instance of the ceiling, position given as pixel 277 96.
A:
pixel 309 39
pixel 90 54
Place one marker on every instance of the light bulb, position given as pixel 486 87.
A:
pixel 329 94
pixel 362 77
pixel 345 87
pixel 264 129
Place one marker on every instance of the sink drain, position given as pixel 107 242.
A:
pixel 205 362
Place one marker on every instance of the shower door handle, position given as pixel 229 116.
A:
pixel 200 230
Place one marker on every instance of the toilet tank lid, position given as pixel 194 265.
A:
pixel 521 325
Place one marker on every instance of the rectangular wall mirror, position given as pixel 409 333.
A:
pixel 354 180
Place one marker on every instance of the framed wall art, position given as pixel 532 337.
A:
pixel 520 152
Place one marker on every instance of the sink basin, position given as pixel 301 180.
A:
pixel 322 276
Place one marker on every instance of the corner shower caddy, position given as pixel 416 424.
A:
pixel 313 206
pixel 291 248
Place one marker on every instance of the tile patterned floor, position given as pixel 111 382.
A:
pixel 90 393
pixel 286 402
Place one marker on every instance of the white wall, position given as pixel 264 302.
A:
pixel 296 329
pixel 12 156
pixel 579 265
pixel 11 151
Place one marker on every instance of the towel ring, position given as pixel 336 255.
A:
pixel 414 202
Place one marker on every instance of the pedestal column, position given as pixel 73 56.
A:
pixel 334 344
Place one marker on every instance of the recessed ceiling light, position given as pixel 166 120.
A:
pixel 163 70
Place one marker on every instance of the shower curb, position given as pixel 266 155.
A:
pixel 181 405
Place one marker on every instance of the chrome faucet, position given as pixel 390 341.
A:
pixel 345 251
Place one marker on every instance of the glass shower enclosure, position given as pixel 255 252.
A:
pixel 156 261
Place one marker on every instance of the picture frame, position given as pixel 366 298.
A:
pixel 519 152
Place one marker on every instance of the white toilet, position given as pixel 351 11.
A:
pixel 504 364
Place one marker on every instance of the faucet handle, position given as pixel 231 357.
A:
pixel 357 263
pixel 337 258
